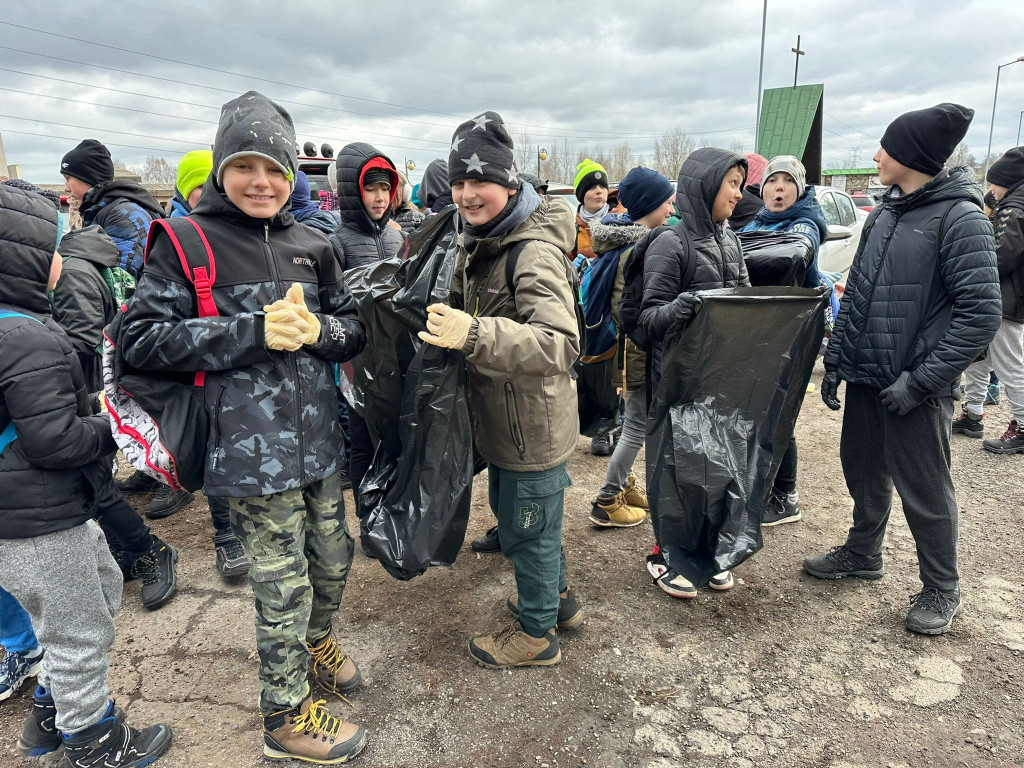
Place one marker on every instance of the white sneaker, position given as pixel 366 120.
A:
pixel 722 581
pixel 676 585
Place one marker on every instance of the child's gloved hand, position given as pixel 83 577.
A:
pixel 446 327
pixel 283 329
pixel 291 311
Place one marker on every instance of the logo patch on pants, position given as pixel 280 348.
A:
pixel 528 516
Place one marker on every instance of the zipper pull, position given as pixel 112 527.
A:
pixel 266 233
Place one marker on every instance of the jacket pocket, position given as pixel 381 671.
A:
pixel 515 424
pixel 215 449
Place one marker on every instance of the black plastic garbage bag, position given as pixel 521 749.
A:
pixel 414 500
pixel 597 399
pixel 732 382
pixel 776 258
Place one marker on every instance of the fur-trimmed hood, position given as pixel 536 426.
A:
pixel 615 231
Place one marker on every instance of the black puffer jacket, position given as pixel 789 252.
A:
pixel 49 473
pixel 912 304
pixel 275 414
pixel 82 302
pixel 361 240
pixel 1009 226
pixel 717 251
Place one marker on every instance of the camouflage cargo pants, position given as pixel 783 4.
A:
pixel 301 551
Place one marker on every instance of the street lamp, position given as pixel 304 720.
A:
pixel 1018 127
pixel 992 125
pixel 410 166
pixel 542 154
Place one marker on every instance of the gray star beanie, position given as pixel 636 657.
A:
pixel 482 150
pixel 254 125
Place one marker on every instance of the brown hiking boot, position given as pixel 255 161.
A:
pixel 512 647
pixel 634 495
pixel 615 513
pixel 312 734
pixel 333 671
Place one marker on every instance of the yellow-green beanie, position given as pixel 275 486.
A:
pixel 193 171
pixel 589 174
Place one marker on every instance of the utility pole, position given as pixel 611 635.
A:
pixel 760 75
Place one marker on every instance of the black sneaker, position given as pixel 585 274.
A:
pixel 39 734
pixel 112 743
pixel 966 424
pixel 156 568
pixel 933 610
pixel 656 565
pixel 487 543
pixel 124 560
pixel 840 562
pixel 1012 440
pixel 137 482
pixel 569 612
pixel 231 558
pixel 781 508
pixel 167 502
pixel 601 445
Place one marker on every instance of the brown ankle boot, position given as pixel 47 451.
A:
pixel 616 513
pixel 512 647
pixel 312 734
pixel 333 671
pixel 634 495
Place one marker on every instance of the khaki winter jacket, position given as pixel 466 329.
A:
pixel 522 348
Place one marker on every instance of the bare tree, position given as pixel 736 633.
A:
pixel 156 170
pixel 737 146
pixel 961 156
pixel 525 152
pixel 670 150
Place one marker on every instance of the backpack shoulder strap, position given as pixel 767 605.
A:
pixel 510 265
pixel 191 245
pixel 689 261
pixel 197 263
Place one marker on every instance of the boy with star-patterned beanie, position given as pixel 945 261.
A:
pixel 520 340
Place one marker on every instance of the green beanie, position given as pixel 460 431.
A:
pixel 589 174
pixel 193 170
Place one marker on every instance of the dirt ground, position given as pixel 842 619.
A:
pixel 784 670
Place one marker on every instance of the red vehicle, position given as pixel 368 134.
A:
pixel 315 167
pixel 864 201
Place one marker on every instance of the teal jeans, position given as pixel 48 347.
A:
pixel 529 508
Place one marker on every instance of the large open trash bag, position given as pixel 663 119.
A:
pixel 732 382
pixel 414 500
pixel 776 258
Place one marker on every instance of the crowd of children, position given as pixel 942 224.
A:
pixel 276 463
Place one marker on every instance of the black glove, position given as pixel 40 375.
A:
pixel 685 306
pixel 901 398
pixel 830 390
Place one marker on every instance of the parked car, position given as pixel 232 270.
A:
pixel 845 223
pixel 863 201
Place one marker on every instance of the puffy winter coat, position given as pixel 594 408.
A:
pixel 124 210
pixel 522 347
pixel 716 250
pixel 361 240
pixel 1009 229
pixel 804 217
pixel 82 301
pixel 613 237
pixel 274 414
pixel 49 474
pixel 915 302
pixel 408 218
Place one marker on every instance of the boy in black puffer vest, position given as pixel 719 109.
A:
pixel 921 303
pixel 54 461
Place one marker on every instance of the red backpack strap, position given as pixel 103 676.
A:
pixel 188 243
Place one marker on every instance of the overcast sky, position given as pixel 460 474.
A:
pixel 402 75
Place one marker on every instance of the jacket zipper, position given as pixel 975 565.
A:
pixel 515 426
pixel 874 284
pixel 293 363
pixel 379 243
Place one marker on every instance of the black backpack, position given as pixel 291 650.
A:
pixel 510 268
pixel 633 291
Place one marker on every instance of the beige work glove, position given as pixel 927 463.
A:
pixel 446 326
pixel 289 320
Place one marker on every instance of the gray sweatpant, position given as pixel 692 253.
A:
pixel 634 432
pixel 71 587
pixel 880 449
pixel 1004 357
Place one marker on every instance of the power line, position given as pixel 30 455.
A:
pixel 76 138
pixel 611 134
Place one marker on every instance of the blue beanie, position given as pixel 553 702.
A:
pixel 643 190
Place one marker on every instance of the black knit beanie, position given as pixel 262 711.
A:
pixel 376 176
pixel 482 150
pixel 89 162
pixel 1008 170
pixel 924 139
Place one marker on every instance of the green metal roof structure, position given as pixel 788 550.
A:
pixel 872 171
pixel 791 125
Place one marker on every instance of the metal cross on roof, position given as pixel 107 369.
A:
pixel 798 53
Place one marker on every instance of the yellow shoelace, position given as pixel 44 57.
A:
pixel 318 721
pixel 328 654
